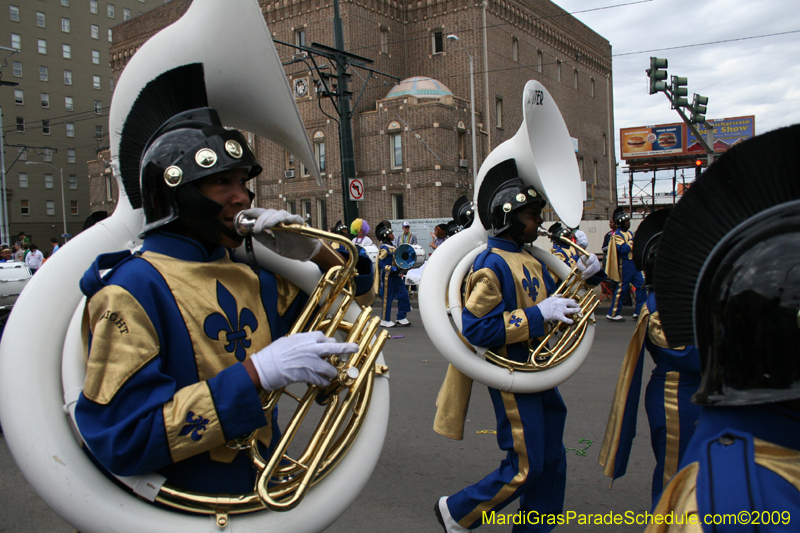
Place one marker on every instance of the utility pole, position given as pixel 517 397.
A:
pixel 344 107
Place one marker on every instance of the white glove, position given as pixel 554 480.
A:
pixel 298 358
pixel 589 266
pixel 557 308
pixel 284 243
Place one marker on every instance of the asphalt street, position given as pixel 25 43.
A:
pixel 417 465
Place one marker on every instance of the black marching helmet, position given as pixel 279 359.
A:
pixel 558 232
pixel 341 228
pixel 383 230
pixel 734 288
pixel 620 216
pixel 170 139
pixel 645 246
pixel 502 192
pixel 463 212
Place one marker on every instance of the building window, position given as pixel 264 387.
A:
pixel 50 207
pixel 65 25
pixel 319 153
pixel 70 155
pixel 19 97
pixel 65 3
pixel 515 49
pixel 45 100
pixel 558 70
pixel 397 206
pixel 67 77
pixel 95 31
pixel 590 192
pixel 21 124
pixel 98 107
pixel 111 84
pixel 300 37
pixel 291 206
pixel 24 208
pixel 605 144
pixel 73 207
pixel 110 35
pixel 110 10
pixel 68 103
pixel 462 147
pixel 93 6
pixel 14 13
pixel 42 46
pixel 48 154
pixel 45 127
pixel 109 188
pixel 539 60
pixel 23 180
pixel 575 77
pixel 16 67
pixel 98 131
pixel 322 214
pixel 96 82
pixel 437 41
pixel 306 206
pixel 396 150
pixel 48 181
pixel 66 51
pixel 594 172
pixel 16 41
pixel 96 57
pixel 42 73
pixel 126 13
pixel 498 110
pixel 73 181
pixel 22 154
pixel 40 19
pixel 70 129
pixel 384 41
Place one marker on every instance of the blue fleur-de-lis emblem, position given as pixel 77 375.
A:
pixel 194 426
pixel 530 285
pixel 515 321
pixel 231 324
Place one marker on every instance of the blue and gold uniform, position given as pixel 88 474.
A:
pixel 671 414
pixel 501 294
pixel 165 388
pixel 620 268
pixel 740 460
pixel 568 254
pixel 392 285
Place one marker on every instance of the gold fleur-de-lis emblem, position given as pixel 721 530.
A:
pixel 233 148
pixel 206 157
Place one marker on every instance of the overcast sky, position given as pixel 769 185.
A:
pixel 740 76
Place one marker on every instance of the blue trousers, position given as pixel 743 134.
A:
pixel 630 276
pixel 530 429
pixel 395 289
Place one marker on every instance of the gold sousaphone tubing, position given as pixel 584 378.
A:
pixel 283 480
pixel 567 337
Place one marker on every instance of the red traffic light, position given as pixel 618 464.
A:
pixel 698 162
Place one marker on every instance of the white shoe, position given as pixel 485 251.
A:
pixel 635 315
pixel 447 521
pixel 403 322
pixel 386 324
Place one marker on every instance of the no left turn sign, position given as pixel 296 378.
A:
pixel 356 190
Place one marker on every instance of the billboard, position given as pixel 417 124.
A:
pixel 727 132
pixel 650 141
pixel 678 139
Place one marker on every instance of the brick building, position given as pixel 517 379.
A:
pixel 413 149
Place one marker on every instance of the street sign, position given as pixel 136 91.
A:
pixel 356 190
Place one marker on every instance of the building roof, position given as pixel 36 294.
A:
pixel 420 87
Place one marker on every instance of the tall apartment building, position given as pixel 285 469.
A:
pixel 413 146
pixel 55 117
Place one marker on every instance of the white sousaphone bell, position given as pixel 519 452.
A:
pixel 545 158
pixel 246 84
